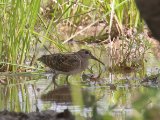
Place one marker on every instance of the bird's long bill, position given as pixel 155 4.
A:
pixel 92 57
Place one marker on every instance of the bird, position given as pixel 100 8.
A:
pixel 69 63
pixel 150 12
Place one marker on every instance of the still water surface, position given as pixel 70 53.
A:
pixel 120 95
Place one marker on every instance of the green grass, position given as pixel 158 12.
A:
pixel 18 19
pixel 29 26
pixel 25 26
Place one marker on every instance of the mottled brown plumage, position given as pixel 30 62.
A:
pixel 70 63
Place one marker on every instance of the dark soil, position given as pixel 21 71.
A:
pixel 44 115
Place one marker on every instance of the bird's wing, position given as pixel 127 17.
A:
pixel 65 62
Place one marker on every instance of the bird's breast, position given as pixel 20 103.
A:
pixel 84 64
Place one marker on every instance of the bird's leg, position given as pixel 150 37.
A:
pixel 54 79
pixel 67 79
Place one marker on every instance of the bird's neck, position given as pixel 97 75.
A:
pixel 84 62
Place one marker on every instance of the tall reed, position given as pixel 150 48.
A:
pixel 18 18
pixel 21 19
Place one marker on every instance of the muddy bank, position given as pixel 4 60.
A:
pixel 44 115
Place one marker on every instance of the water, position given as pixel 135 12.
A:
pixel 120 95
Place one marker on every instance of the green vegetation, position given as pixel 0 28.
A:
pixel 18 19
pixel 26 26
pixel 29 28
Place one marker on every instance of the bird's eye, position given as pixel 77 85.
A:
pixel 86 52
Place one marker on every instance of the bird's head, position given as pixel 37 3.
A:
pixel 42 58
pixel 84 53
